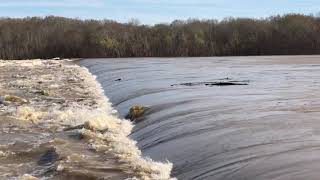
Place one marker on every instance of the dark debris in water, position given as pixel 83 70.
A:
pixel 234 83
pixel 48 158
pixel 214 83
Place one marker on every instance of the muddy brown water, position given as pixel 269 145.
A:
pixel 33 141
pixel 268 128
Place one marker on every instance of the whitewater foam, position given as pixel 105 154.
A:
pixel 101 127
pixel 108 133
pixel 28 177
pixel 29 114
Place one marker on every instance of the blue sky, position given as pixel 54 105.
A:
pixel 156 11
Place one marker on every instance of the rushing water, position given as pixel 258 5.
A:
pixel 267 129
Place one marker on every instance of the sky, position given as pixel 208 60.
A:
pixel 156 11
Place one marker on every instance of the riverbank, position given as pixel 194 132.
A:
pixel 56 123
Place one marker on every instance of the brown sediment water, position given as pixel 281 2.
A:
pixel 224 117
pixel 56 123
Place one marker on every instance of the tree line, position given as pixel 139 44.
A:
pixel 48 37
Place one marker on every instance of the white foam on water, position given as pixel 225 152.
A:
pixel 29 114
pixel 6 154
pixel 28 177
pixel 104 131
pixel 108 133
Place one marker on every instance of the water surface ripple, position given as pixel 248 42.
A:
pixel 268 129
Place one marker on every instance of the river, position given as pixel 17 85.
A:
pixel 223 117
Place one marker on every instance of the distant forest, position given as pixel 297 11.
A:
pixel 51 36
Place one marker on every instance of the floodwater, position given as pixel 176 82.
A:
pixel 266 128
pixel 56 123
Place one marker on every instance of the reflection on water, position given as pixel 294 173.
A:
pixel 267 129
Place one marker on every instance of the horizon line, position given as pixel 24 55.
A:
pixel 137 21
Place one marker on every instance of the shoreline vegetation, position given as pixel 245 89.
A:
pixel 42 102
pixel 48 37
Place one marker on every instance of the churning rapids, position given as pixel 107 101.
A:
pixel 265 127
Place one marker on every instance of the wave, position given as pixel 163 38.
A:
pixel 107 133
pixel 94 120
